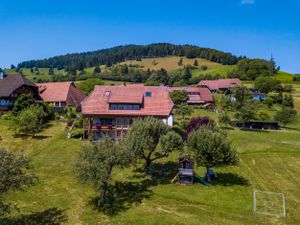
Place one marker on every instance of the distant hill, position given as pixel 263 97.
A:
pixel 119 54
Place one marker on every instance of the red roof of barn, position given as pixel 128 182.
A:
pixel 196 94
pixel 214 85
pixel 61 92
pixel 158 104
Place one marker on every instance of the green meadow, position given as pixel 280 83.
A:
pixel 269 161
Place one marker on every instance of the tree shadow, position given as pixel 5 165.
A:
pixel 122 196
pixel 229 179
pixel 40 137
pixel 163 173
pixel 51 216
pixel 254 130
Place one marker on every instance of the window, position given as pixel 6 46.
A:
pixel 124 107
pixel 148 94
pixel 107 93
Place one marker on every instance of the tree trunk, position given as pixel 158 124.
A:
pixel 148 165
pixel 207 175
pixel 103 195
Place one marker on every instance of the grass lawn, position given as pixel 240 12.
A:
pixel 270 161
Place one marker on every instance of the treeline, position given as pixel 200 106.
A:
pixel 119 54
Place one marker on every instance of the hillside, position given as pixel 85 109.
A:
pixel 169 63
pixel 119 54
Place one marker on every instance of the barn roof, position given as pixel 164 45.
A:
pixel 214 85
pixel 12 82
pixel 196 94
pixel 61 92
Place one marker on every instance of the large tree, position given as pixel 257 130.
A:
pixel 285 115
pixel 179 97
pixel 22 102
pixel 211 148
pixel 96 162
pixel 245 108
pixel 150 139
pixel 267 84
pixel 29 120
pixel 87 86
pixel 14 175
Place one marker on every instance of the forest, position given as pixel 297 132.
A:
pixel 110 56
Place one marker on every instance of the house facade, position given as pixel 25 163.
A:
pixel 111 110
pixel 12 86
pixel 196 95
pixel 61 94
pixel 220 84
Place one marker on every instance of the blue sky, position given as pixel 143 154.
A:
pixel 35 29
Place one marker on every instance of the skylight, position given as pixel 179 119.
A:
pixel 148 94
pixel 107 93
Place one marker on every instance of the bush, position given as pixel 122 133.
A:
pixel 76 133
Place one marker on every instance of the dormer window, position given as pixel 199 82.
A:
pixel 148 94
pixel 107 93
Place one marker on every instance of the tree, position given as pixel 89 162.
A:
pixel 180 62
pixel 269 102
pixel 250 69
pixel 183 110
pixel 263 116
pixel 97 69
pixel 29 120
pixel 96 163
pixel 247 112
pixel 179 97
pixel 210 148
pixel 285 115
pixel 204 67
pixel 288 101
pixel 14 175
pixel 187 73
pixel 197 122
pixel 224 119
pixel 51 71
pixel 87 86
pixel 266 84
pixel 244 106
pixel 196 62
pixel 150 139
pixel 22 102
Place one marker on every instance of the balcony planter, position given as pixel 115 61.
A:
pixel 98 126
pixel 110 126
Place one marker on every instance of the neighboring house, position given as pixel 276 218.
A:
pixel 61 94
pixel 12 86
pixel 112 109
pixel 256 95
pixel 196 95
pixel 219 85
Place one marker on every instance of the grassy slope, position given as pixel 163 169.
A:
pixel 269 161
pixel 171 64
pixel 168 63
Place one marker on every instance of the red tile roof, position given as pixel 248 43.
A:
pixel 61 92
pixel 159 104
pixel 196 94
pixel 215 85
